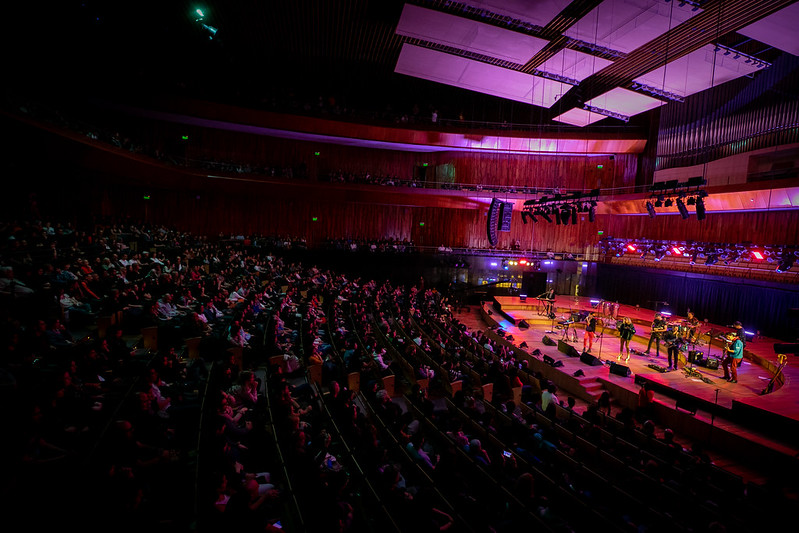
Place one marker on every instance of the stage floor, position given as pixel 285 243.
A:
pixel 705 385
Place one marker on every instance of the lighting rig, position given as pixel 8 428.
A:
pixel 709 254
pixel 562 209
pixel 681 194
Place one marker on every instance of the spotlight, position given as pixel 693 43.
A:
pixel 565 215
pixel 683 210
pixel 700 209
pixel 668 203
pixel 592 213
pixel 757 255
pixel 545 214
pixel 651 209
pixel 691 201
pixel 574 215
pixel 658 203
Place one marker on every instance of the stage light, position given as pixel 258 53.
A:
pixel 676 251
pixel 592 213
pixel 574 215
pixel 565 215
pixel 523 261
pixel 651 209
pixel 525 214
pixel 691 201
pixel 658 203
pixel 668 203
pixel 631 247
pixel 757 255
pixel 546 216
pixel 700 209
pixel 683 210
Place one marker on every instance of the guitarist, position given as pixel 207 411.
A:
pixel 658 329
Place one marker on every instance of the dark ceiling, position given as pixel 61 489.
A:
pixel 300 50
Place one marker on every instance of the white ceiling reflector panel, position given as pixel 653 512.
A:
pixel 624 25
pixel 778 29
pixel 625 102
pixel 537 12
pixel 696 72
pixel 477 37
pixel 579 117
pixel 573 64
pixel 476 76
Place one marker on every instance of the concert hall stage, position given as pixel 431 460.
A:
pixel 694 398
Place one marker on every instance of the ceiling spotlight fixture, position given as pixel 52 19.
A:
pixel 668 203
pixel 700 209
pixel 651 210
pixel 691 201
pixel 683 210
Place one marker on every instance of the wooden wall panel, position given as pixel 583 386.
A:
pixel 570 172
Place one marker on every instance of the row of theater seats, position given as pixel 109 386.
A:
pixel 713 498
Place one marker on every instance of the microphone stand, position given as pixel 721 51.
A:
pixel 601 336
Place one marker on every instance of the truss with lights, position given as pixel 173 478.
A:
pixel 681 194
pixel 560 208
pixel 703 253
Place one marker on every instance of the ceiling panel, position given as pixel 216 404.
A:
pixel 625 102
pixel 573 64
pixel 466 34
pixel 698 71
pixel 538 12
pixel 579 117
pixel 624 25
pixel 778 30
pixel 477 76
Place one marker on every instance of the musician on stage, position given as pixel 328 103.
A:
pixel 548 297
pixel 739 332
pixel 693 327
pixel 658 329
pixel 590 332
pixel 674 343
pixel 626 331
pixel 734 354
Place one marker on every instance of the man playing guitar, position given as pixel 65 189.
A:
pixel 734 354
pixel 693 328
pixel 658 329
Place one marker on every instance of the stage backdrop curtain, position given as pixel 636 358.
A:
pixel 760 306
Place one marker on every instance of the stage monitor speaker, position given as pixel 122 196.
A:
pixel 536 352
pixel 548 360
pixel 589 359
pixel 522 297
pixel 712 363
pixel 619 370
pixel 523 324
pixel 549 342
pixel 567 348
